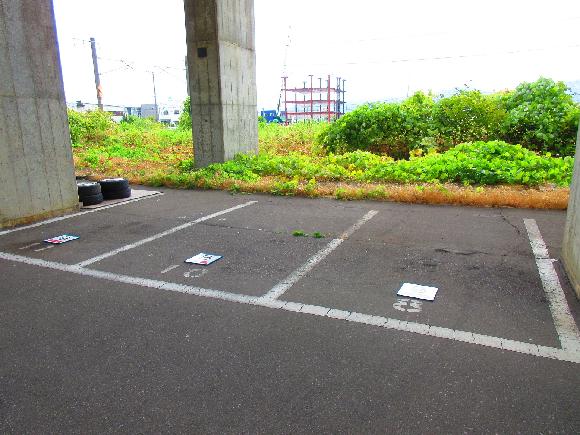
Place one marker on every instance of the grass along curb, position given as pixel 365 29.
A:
pixel 541 197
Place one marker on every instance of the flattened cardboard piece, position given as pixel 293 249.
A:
pixel 418 291
pixel 58 240
pixel 203 259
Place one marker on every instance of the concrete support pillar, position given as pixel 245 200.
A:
pixel 571 245
pixel 222 78
pixel 37 177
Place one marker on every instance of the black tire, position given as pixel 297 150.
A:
pixel 117 194
pixel 113 185
pixel 92 199
pixel 88 188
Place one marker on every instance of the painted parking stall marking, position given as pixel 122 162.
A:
pixel 280 288
pixel 408 305
pixel 28 246
pixel 44 249
pixel 195 273
pixel 162 234
pixel 570 355
pixel 80 213
pixel 563 320
pixel 170 268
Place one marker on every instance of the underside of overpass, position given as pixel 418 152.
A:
pixel 36 167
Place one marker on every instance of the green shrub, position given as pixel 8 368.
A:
pixel 75 124
pixel 185 117
pixel 467 116
pixel 390 128
pixel 90 127
pixel 287 188
pixel 541 116
pixel 97 139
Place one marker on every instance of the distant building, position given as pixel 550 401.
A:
pixel 117 112
pixel 169 115
pixel 148 111
pixel 133 111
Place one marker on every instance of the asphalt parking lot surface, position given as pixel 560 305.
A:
pixel 114 332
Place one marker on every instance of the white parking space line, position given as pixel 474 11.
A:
pixel 569 355
pixel 160 235
pixel 44 249
pixel 563 319
pixel 280 288
pixel 80 213
pixel 170 268
pixel 29 246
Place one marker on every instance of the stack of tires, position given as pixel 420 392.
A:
pixel 92 193
pixel 89 192
pixel 115 188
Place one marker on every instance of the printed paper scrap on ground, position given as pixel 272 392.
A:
pixel 61 239
pixel 203 259
pixel 418 291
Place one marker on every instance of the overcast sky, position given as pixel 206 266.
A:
pixel 384 49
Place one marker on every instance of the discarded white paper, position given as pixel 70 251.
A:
pixel 417 291
pixel 203 259
pixel 61 239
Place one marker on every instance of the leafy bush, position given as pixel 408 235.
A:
pixel 89 127
pixel 75 127
pixel 97 138
pixel 542 116
pixel 185 117
pixel 390 128
pixel 468 116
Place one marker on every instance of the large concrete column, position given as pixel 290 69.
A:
pixel 222 78
pixel 571 245
pixel 37 177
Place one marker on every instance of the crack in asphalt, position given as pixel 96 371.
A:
pixel 507 221
pixel 453 251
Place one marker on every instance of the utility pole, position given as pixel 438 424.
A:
pixel 155 96
pixel 343 98
pixel 285 101
pixel 328 97
pixel 97 77
pixel 311 100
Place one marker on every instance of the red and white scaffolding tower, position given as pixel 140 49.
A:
pixel 322 103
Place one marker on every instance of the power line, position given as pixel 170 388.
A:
pixel 163 69
pixel 128 64
pixel 437 58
